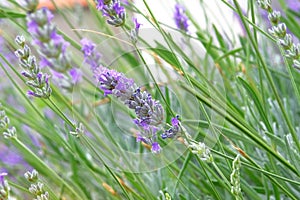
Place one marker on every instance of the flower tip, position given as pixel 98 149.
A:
pixel 155 148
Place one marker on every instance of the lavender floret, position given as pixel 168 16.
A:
pixel 91 56
pixel 180 18
pixel 174 130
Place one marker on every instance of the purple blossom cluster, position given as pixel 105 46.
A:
pixel 52 47
pixel 181 20
pixel 113 10
pixel 91 56
pixel 149 112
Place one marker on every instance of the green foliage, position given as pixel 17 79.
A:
pixel 235 93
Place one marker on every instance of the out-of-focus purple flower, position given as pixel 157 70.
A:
pixel 52 46
pixel 181 20
pixel 91 56
pixel 2 175
pixel 155 148
pixel 293 5
pixel 149 112
pixel 88 47
pixel 136 23
pixel 135 32
pixel 9 157
pixel 76 75
pixel 113 11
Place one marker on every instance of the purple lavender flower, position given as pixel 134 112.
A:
pixel 180 18
pixel 155 147
pixel 53 47
pixel 293 5
pixel 113 11
pixel 136 23
pixel 9 157
pixel 91 56
pixel 135 32
pixel 149 112
pixel 76 75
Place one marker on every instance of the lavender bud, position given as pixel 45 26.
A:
pixel 296 64
pixel 294 51
pixel 10 133
pixel 7 132
pixel 286 42
pixel 202 150
pixel 44 196
pixel 265 4
pixel 274 16
pixel 278 31
pixel 37 189
pixel 78 131
pixel 135 32
pixel 20 40
pixel 27 74
pixel 32 176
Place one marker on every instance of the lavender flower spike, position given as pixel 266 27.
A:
pixel 135 32
pixel 91 56
pixel 53 48
pixel 149 112
pixel 36 79
pixel 52 45
pixel 113 11
pixel 180 18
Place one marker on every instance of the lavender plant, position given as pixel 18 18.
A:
pixel 160 117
